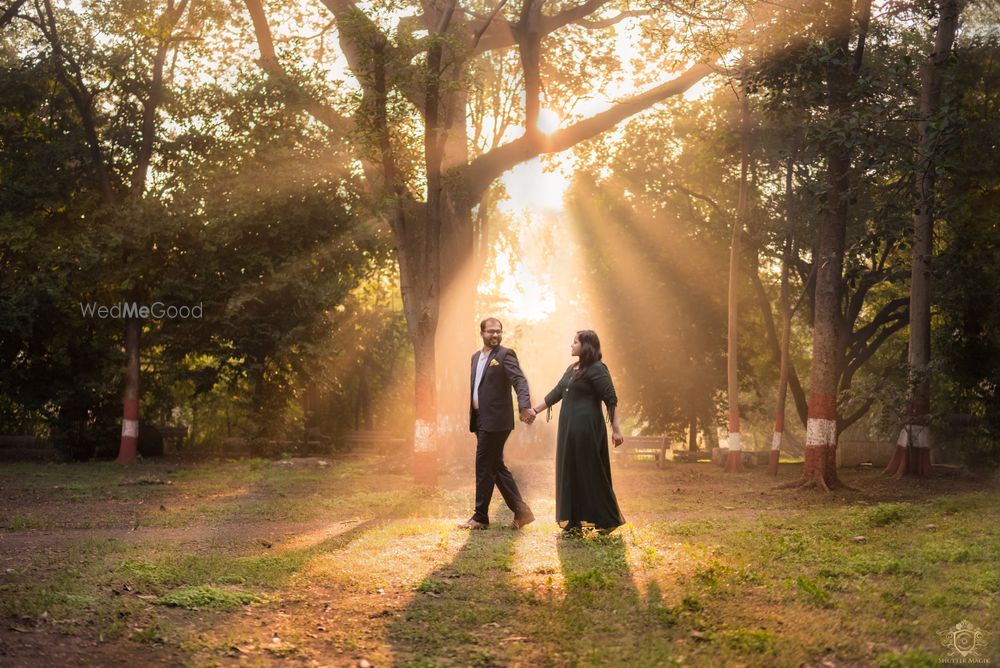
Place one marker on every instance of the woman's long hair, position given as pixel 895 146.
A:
pixel 590 351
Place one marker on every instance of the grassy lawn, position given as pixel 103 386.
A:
pixel 257 563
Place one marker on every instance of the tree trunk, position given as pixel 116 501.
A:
pixel 820 468
pixel 734 460
pixel 425 451
pixel 457 326
pixel 362 401
pixel 420 302
pixel 786 334
pixel 913 448
pixel 709 428
pixel 128 448
pixel 693 429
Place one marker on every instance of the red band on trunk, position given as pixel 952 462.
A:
pixel 822 406
pixel 779 423
pixel 734 421
pixel 131 409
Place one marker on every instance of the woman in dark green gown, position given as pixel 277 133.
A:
pixel 584 496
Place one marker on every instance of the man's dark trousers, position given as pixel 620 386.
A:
pixel 490 471
pixel 492 423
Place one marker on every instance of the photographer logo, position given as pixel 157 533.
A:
pixel 964 641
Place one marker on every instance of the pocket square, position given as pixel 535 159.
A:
pixel 494 363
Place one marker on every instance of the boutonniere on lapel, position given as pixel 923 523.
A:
pixel 493 362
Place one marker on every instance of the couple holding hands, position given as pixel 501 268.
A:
pixel 584 496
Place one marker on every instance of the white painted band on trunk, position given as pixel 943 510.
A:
pixel 734 442
pixel 916 435
pixel 130 428
pixel 820 431
pixel 776 441
pixel 423 436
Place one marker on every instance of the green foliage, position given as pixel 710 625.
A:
pixel 885 514
pixel 967 282
pixel 592 579
pixel 816 593
pixel 196 598
pixel 747 641
pixel 914 658
pixel 253 216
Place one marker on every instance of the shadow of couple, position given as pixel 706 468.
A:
pixel 531 598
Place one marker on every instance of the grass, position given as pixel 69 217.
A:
pixel 196 598
pixel 338 569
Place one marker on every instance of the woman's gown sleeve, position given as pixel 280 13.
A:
pixel 605 389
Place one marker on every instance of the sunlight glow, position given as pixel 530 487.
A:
pixel 528 299
pixel 548 121
pixel 533 188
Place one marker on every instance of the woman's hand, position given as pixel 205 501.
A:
pixel 617 437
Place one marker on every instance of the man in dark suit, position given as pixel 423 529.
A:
pixel 491 418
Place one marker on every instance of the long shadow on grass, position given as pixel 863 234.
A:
pixel 604 620
pixel 482 609
pixel 462 611
pixel 218 586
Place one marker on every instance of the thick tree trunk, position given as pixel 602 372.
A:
pixel 425 450
pixel 457 325
pixel 421 312
pixel 913 449
pixel 128 448
pixel 372 58
pixel 821 428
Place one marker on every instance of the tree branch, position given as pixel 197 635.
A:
pixel 598 24
pixel 572 15
pixel 865 354
pixel 482 171
pixel 696 195
pixel 798 394
pixel 82 99
pixel 9 13
pixel 530 47
pixel 863 16
pixel 168 21
pixel 296 95
pixel 359 36
pixel 844 424
pixel 859 338
pixel 487 21
pixel 496 35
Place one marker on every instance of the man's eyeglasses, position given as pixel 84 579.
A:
pixel 493 331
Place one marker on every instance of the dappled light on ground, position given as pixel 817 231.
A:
pixel 334 564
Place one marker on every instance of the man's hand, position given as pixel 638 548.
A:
pixel 617 438
pixel 527 415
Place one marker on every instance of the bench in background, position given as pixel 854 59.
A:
pixel 26 448
pixel 373 442
pixel 173 438
pixel 641 449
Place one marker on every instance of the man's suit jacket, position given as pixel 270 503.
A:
pixel 496 411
